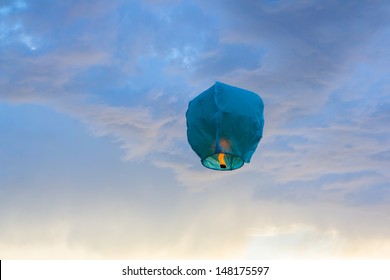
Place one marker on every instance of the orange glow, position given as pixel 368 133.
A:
pixel 224 143
pixel 221 158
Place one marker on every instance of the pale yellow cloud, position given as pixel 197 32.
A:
pixel 224 222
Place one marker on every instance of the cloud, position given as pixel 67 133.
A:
pixel 220 223
pixel 137 132
pixel 103 82
pixel 307 53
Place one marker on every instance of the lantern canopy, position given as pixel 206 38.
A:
pixel 225 125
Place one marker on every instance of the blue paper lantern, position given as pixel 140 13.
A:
pixel 225 125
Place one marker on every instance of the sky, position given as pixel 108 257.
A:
pixel 94 159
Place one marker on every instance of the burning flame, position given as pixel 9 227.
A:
pixel 221 158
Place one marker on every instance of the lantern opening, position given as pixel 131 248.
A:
pixel 223 161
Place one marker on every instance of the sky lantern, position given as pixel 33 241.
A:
pixel 225 125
